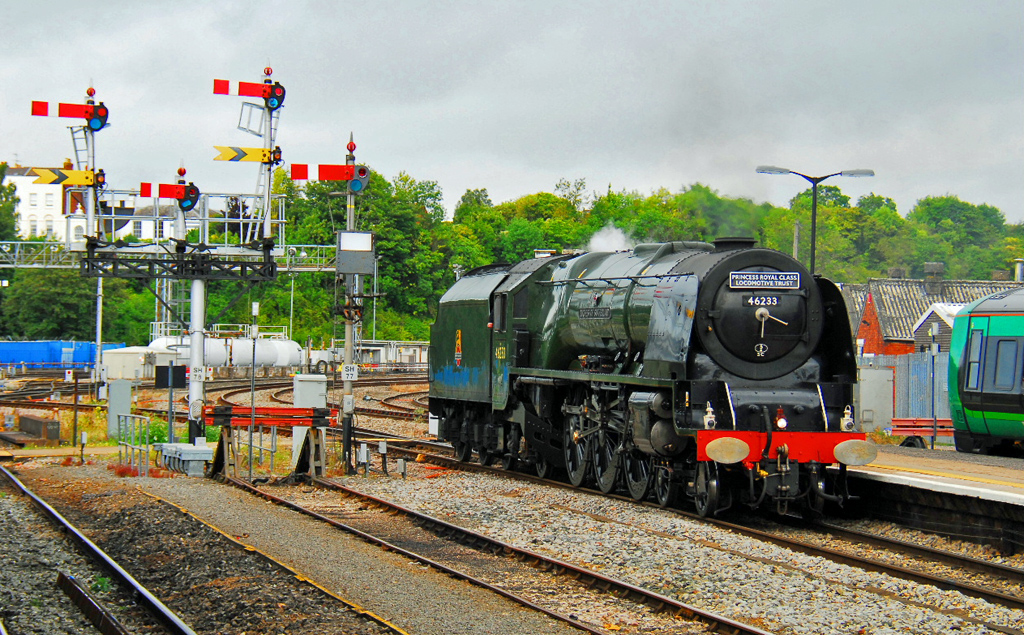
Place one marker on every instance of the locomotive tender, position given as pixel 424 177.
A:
pixel 723 372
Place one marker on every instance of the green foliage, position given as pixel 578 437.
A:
pixel 8 201
pixel 420 251
pixel 100 585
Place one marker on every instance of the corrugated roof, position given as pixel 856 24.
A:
pixel 901 302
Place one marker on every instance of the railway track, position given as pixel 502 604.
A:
pixel 993 574
pixel 490 563
pixel 131 592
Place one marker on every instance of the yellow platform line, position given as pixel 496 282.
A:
pixel 956 477
pixel 352 605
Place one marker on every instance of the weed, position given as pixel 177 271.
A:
pixel 100 585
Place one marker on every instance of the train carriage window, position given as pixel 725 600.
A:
pixel 499 312
pixel 521 304
pixel 1006 365
pixel 974 349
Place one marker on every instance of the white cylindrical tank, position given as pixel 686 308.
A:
pixel 242 351
pixel 237 351
pixel 289 353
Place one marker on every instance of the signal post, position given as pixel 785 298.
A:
pixel 355 258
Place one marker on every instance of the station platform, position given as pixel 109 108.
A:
pixel 992 478
pixel 95 450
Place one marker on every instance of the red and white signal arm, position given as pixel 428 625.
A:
pixel 325 172
pixel 241 89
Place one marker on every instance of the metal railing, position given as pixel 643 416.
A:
pixel 132 444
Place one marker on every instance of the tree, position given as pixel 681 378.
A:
pixel 46 304
pixel 8 201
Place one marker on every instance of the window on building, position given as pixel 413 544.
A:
pixel 33 227
pixel 33 199
pixel 159 229
pixel 137 228
pixel 49 199
pixel 49 226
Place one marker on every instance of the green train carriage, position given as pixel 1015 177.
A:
pixel 986 375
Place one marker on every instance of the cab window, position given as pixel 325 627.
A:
pixel 498 317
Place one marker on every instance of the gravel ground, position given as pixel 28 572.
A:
pixel 30 601
pixel 419 600
pixel 741 578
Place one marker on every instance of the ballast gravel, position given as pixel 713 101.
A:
pixel 744 579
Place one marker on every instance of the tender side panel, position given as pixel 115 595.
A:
pixel 460 353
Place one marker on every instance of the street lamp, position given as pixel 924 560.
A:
pixel 814 180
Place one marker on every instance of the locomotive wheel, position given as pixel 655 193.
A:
pixel 463 451
pixel 544 469
pixel 665 488
pixel 510 460
pixel 606 460
pixel 484 456
pixel 706 489
pixel 577 448
pixel 638 469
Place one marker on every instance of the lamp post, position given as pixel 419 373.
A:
pixel 814 180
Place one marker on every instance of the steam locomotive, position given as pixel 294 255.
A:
pixel 723 373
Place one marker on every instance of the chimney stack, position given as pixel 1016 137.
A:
pixel 933 278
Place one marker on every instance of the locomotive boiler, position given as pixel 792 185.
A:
pixel 720 372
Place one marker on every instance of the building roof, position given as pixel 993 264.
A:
pixel 856 297
pixel 901 302
pixel 943 310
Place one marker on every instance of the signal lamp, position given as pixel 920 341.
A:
pixel 100 179
pixel 97 118
pixel 191 198
pixel 360 179
pixel 274 96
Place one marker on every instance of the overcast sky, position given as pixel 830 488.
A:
pixel 513 96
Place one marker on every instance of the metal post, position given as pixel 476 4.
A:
pixel 252 399
pixel 348 400
pixel 74 425
pixel 376 262
pixel 197 360
pixel 268 168
pixel 170 401
pixel 814 220
pixel 933 349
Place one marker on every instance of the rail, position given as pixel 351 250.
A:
pixel 142 595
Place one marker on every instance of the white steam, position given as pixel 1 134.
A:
pixel 610 238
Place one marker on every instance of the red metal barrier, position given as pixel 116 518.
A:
pixel 921 427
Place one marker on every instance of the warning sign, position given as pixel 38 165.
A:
pixel 458 347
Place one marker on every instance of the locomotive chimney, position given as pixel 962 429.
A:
pixel 733 242
pixel 933 278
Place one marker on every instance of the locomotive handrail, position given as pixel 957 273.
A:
pixel 604 279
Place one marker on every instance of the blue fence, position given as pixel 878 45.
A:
pixel 914 383
pixel 51 354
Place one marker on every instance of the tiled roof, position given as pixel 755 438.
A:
pixel 901 302
pixel 856 296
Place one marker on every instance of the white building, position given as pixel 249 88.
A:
pixel 58 213
pixel 41 210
